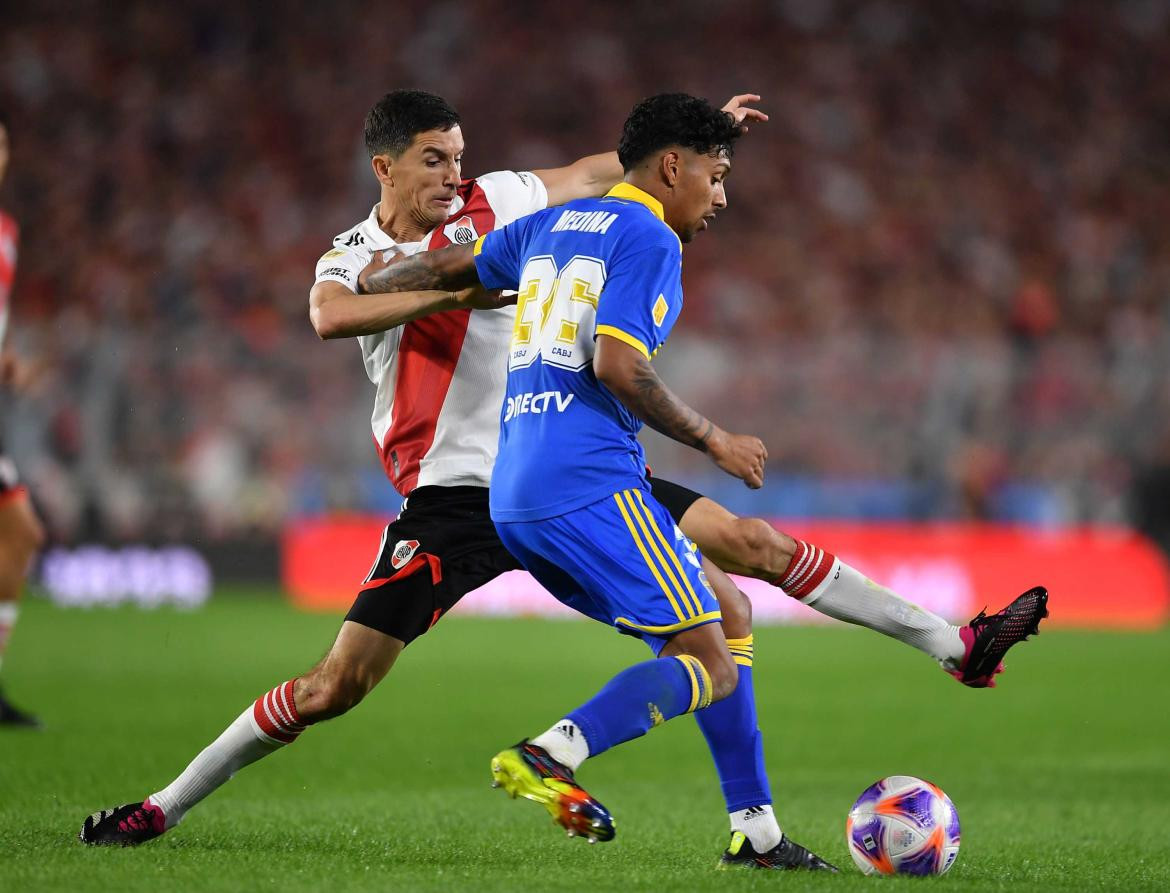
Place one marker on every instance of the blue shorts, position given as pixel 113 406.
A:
pixel 622 561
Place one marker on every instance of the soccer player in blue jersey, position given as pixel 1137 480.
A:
pixel 599 285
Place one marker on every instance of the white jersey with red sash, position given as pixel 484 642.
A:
pixel 440 380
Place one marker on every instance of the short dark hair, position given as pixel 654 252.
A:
pixel 398 116
pixel 675 119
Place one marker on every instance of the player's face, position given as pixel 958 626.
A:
pixel 426 175
pixel 3 152
pixel 698 192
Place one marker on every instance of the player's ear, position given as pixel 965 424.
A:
pixel 382 165
pixel 669 168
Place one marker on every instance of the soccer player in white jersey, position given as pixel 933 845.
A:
pixel 21 534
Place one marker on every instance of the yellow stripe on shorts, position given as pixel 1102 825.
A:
pixel 646 556
pixel 670 551
pixel 662 563
pixel 690 623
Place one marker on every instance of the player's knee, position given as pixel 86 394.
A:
pixel 724 674
pixel 736 609
pixel 760 546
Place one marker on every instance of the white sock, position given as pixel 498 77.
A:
pixel 565 743
pixel 9 611
pixel 848 595
pixel 266 726
pixel 758 823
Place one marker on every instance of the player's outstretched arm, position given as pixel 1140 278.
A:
pixel 336 312
pixel 628 374
pixel 448 269
pixel 595 175
pixel 388 294
pixel 588 177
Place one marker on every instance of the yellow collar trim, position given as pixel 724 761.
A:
pixel 630 192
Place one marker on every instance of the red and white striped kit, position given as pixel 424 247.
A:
pixel 440 379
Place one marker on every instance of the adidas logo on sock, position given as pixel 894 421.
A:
pixel 567 730
pixel 754 812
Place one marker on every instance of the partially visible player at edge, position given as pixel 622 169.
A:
pixel 21 534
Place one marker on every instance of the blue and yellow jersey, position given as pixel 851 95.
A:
pixel 607 266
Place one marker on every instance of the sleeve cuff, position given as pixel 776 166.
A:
pixel 624 337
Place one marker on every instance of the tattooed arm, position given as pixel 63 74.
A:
pixel 448 269
pixel 628 374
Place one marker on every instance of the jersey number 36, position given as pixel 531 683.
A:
pixel 555 312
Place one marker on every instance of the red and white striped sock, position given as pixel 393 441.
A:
pixel 266 726
pixel 276 717
pixel 806 571
pixel 835 589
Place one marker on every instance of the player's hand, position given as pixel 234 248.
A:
pixel 380 261
pixel 740 455
pixel 743 113
pixel 479 298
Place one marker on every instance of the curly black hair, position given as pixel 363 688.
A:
pixel 398 116
pixel 675 119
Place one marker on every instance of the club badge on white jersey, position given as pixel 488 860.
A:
pixel 461 231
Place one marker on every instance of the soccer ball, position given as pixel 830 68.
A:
pixel 903 825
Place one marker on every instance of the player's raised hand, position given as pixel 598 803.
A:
pixel 737 107
pixel 740 455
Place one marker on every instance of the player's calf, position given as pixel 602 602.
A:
pixel 327 692
pixel 359 659
pixel 750 547
pixel 734 606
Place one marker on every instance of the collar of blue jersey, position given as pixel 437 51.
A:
pixel 630 192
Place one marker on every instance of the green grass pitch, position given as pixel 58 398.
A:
pixel 1061 776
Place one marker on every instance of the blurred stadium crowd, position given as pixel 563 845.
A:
pixel 942 288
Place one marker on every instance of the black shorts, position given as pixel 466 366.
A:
pixel 442 546
pixel 675 498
